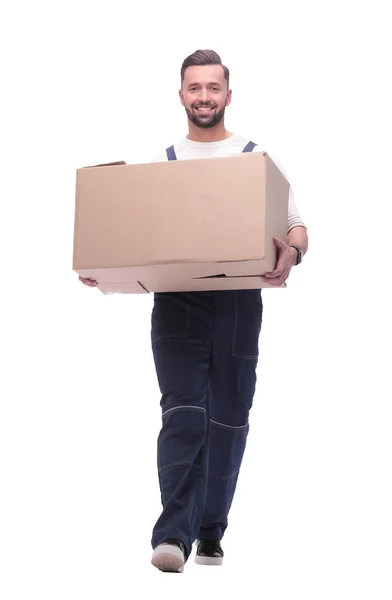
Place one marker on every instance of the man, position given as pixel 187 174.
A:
pixel 205 347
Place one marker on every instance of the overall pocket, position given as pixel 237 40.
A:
pixel 170 315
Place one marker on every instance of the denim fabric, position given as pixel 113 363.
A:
pixel 205 347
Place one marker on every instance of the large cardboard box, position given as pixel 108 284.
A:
pixel 187 225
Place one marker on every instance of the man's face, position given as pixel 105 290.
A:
pixel 205 95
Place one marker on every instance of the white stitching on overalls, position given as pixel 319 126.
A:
pixel 229 426
pixel 185 406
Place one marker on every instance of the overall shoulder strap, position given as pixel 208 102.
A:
pixel 249 147
pixel 171 155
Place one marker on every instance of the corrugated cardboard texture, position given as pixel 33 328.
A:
pixel 190 225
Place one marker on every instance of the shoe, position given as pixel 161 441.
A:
pixel 209 552
pixel 169 556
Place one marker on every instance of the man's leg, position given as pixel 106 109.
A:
pixel 232 387
pixel 182 363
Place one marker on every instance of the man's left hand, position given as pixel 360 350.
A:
pixel 287 258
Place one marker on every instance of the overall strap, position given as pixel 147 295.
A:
pixel 171 155
pixel 249 147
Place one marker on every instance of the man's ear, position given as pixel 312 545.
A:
pixel 181 97
pixel 228 98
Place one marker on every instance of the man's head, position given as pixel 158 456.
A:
pixel 205 89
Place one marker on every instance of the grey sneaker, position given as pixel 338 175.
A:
pixel 169 556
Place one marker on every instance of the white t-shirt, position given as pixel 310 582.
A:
pixel 188 149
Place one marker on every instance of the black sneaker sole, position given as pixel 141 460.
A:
pixel 208 560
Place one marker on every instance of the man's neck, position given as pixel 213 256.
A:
pixel 215 134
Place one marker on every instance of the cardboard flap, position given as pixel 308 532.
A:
pixel 239 268
pixel 129 287
pixel 112 164
pixel 228 283
pixel 211 277
pixel 246 267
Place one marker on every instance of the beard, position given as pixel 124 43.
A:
pixel 205 121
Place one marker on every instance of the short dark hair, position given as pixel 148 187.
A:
pixel 204 57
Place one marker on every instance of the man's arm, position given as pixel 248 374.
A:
pixel 287 257
pixel 299 237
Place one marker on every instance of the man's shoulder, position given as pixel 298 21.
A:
pixel 162 156
pixel 240 142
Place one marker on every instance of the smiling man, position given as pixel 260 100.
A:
pixel 205 101
pixel 206 347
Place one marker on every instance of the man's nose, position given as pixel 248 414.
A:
pixel 204 95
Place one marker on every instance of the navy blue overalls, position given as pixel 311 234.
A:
pixel 205 347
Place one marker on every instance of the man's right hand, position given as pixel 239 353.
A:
pixel 87 281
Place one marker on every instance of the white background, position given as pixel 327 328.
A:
pixel 96 82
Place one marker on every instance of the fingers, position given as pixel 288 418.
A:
pixel 87 281
pixel 279 270
pixel 279 243
pixel 276 277
pixel 276 281
pixel 282 268
pixel 274 274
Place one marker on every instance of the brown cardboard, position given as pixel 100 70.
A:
pixel 191 225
